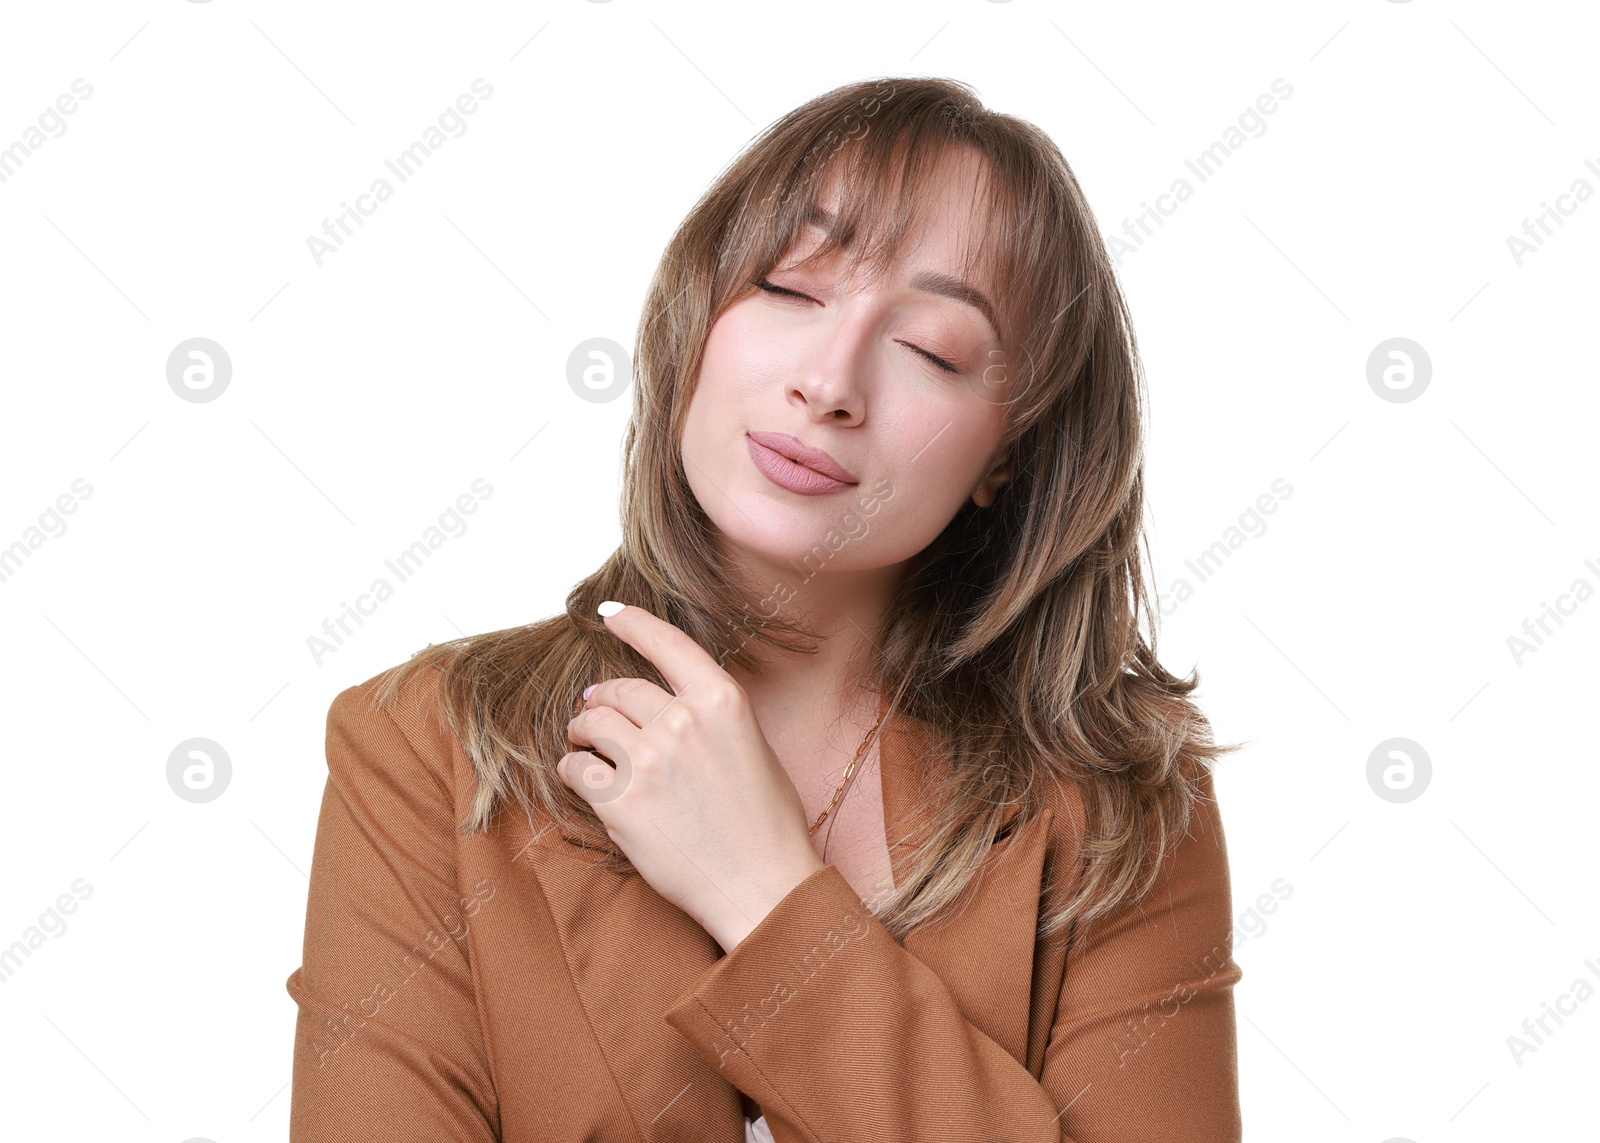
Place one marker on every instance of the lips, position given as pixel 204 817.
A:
pixel 812 458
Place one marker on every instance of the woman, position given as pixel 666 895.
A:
pixel 879 572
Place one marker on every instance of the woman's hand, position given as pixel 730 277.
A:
pixel 697 800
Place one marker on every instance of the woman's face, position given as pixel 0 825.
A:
pixel 846 368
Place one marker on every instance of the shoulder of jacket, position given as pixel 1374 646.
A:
pixel 1193 853
pixel 413 709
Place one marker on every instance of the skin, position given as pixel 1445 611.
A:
pixel 700 800
pixel 839 373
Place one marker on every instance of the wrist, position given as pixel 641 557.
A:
pixel 730 930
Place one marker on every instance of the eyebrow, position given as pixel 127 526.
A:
pixel 947 286
pixel 925 281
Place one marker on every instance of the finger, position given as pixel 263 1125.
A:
pixel 638 700
pixel 594 779
pixel 605 730
pixel 679 658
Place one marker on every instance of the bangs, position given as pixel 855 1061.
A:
pixel 874 155
pixel 884 175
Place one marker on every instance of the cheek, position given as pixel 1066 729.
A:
pixel 720 369
pixel 724 404
pixel 718 358
pixel 942 451
pixel 950 436
pixel 739 359
pixel 754 355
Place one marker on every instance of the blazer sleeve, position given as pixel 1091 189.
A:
pixel 388 1043
pixel 874 1046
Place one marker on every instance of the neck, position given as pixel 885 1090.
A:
pixel 845 610
pixel 817 689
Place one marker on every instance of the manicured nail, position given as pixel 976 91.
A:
pixel 610 607
pixel 589 690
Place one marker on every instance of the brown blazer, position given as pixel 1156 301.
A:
pixel 500 987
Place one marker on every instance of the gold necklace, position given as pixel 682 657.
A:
pixel 848 770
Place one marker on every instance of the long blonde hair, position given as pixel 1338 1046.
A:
pixel 1015 632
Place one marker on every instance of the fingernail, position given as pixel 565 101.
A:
pixel 610 607
pixel 589 690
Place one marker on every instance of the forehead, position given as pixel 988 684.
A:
pixel 944 234
pixel 949 215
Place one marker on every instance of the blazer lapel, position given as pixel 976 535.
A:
pixel 984 952
pixel 630 954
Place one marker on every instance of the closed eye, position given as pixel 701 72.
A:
pixel 763 284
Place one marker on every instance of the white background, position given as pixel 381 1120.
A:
pixel 369 392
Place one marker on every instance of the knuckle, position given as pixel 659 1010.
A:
pixel 644 762
pixel 722 697
pixel 677 719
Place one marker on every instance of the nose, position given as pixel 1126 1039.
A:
pixel 832 374
pixel 825 401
